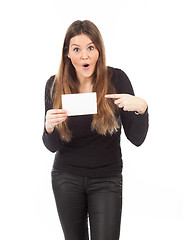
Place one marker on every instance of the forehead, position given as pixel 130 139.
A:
pixel 81 39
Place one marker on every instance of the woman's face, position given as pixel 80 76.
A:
pixel 83 55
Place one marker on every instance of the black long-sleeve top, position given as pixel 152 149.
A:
pixel 88 153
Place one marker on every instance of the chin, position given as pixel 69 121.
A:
pixel 87 75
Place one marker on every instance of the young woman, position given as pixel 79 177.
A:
pixel 87 170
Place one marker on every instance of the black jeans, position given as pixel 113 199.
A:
pixel 79 198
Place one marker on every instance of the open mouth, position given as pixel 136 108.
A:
pixel 86 65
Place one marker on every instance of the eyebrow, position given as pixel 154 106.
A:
pixel 79 45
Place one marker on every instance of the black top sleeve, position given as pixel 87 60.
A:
pixel 135 126
pixel 51 141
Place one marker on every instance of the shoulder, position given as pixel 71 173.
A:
pixel 118 74
pixel 120 80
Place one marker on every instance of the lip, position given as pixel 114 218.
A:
pixel 86 66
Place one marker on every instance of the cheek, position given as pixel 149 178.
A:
pixel 74 60
pixel 95 56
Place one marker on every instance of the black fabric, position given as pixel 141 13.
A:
pixel 79 198
pixel 90 154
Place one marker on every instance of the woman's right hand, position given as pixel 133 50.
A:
pixel 54 117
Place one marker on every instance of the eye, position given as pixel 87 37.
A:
pixel 91 48
pixel 76 49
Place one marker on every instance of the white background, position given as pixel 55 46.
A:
pixel 144 38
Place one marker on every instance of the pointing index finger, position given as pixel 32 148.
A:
pixel 113 95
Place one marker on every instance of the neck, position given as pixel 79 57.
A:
pixel 85 84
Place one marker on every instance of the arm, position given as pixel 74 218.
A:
pixel 133 110
pixel 50 137
pixel 135 126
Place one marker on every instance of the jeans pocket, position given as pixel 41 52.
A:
pixel 56 172
pixel 118 182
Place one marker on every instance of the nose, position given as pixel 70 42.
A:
pixel 84 55
pixel 84 58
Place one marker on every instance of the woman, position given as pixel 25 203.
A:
pixel 87 170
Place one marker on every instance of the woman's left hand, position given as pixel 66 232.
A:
pixel 129 102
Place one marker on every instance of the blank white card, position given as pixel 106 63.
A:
pixel 80 103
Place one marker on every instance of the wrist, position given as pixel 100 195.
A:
pixel 49 128
pixel 142 107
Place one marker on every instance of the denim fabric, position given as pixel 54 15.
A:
pixel 79 199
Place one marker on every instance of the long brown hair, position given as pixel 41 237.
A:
pixel 66 82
